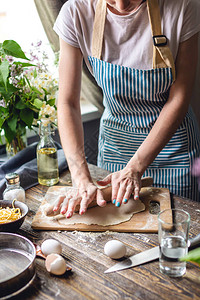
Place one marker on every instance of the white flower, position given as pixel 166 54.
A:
pixel 47 114
pixel 35 122
pixel 45 122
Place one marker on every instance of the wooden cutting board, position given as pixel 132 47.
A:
pixel 143 221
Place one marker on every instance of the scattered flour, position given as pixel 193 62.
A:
pixel 141 237
pixel 90 237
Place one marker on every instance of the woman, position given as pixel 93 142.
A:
pixel 147 127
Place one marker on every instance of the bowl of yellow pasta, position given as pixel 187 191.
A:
pixel 12 215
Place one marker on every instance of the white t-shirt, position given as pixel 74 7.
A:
pixel 127 39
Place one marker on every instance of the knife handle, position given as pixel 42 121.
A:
pixel 194 241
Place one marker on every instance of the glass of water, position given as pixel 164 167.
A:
pixel 173 229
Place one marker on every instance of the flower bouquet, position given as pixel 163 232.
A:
pixel 27 93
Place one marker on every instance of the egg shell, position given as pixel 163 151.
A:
pixel 51 246
pixel 55 264
pixel 115 249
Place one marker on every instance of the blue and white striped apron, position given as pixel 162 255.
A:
pixel 133 100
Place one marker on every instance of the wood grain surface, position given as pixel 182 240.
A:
pixel 83 251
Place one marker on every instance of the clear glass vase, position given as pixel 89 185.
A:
pixel 17 144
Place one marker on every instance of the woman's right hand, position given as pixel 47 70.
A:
pixel 82 195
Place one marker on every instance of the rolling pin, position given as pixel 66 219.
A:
pixel 107 192
pixel 145 181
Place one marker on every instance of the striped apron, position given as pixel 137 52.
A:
pixel 133 100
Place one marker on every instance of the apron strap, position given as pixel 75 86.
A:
pixel 162 56
pixel 98 28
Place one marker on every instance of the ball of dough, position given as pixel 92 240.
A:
pixel 51 246
pixel 55 264
pixel 115 249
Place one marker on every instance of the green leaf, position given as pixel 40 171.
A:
pixel 1 122
pixel 24 64
pixel 20 105
pixel 12 48
pixel 21 128
pixel 3 116
pixel 6 94
pixel 12 123
pixel 37 103
pixel 4 72
pixel 193 255
pixel 9 135
pixel 34 89
pixel 51 102
pixel 35 73
pixel 27 116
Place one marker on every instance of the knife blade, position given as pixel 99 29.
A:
pixel 144 257
pixel 135 260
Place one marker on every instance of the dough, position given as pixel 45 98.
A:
pixel 108 215
pixel 104 216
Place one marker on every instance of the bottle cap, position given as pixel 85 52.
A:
pixel 12 178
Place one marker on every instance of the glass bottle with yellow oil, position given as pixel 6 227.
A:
pixel 47 160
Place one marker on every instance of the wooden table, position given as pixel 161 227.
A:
pixel 83 252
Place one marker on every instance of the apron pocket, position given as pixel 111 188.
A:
pixel 120 145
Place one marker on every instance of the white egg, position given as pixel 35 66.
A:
pixel 55 264
pixel 115 249
pixel 51 246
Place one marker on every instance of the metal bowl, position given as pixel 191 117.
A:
pixel 14 225
pixel 17 264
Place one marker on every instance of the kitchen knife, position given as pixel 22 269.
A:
pixel 144 257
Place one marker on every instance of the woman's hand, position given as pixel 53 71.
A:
pixel 124 183
pixel 83 195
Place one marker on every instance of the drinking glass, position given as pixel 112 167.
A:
pixel 173 229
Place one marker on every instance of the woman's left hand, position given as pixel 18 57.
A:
pixel 124 183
